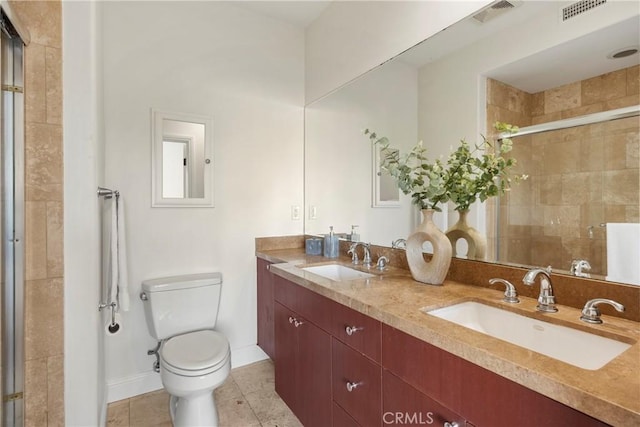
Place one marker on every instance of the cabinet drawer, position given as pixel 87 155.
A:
pixel 357 330
pixel 314 307
pixel 427 368
pixel 404 405
pixel 356 384
pixel 285 292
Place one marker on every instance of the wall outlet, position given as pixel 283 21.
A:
pixel 295 213
pixel 313 212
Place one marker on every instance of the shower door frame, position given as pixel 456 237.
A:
pixel 13 293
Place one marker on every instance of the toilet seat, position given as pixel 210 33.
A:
pixel 195 353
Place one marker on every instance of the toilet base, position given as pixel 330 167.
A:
pixel 196 411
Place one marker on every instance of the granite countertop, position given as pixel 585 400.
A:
pixel 610 394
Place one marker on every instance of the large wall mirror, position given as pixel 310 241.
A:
pixel 182 168
pixel 525 65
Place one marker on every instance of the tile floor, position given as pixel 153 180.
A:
pixel 246 399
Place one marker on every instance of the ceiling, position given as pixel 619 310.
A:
pixel 300 13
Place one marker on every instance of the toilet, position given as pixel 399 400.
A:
pixel 195 359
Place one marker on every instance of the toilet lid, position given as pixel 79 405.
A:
pixel 196 351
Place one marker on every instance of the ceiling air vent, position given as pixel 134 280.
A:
pixel 576 9
pixel 495 9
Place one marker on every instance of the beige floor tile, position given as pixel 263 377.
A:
pixel 246 399
pixel 271 410
pixel 118 414
pixel 257 376
pixel 150 409
pixel 228 390
pixel 236 413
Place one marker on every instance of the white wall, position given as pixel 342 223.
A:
pixel 352 37
pixel 452 90
pixel 247 72
pixel 84 371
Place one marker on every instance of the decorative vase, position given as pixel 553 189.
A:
pixel 434 271
pixel 476 242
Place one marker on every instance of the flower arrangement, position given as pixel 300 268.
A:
pixel 466 176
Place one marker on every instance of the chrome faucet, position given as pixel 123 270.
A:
pixel 546 300
pixel 382 263
pixel 591 313
pixel 510 294
pixel 366 248
pixel 399 244
pixel 577 265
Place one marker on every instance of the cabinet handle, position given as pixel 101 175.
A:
pixel 268 266
pixel 297 323
pixel 350 330
pixel 453 424
pixel 352 386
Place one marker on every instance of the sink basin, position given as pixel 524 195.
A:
pixel 578 348
pixel 337 272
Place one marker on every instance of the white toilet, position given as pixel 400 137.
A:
pixel 181 312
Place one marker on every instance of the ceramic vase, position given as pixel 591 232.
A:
pixel 434 271
pixel 476 242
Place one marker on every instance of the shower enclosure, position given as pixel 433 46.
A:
pixel 12 42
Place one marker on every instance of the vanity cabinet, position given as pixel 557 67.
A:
pixel 302 353
pixel 265 307
pixel 337 367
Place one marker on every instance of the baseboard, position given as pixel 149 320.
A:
pixel 247 355
pixel 127 387
pixel 124 388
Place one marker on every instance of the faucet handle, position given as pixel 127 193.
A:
pixel 354 254
pixel 591 313
pixel 510 294
pixel 382 263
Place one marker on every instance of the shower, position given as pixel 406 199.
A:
pixel 12 42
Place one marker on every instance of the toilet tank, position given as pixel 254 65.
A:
pixel 180 304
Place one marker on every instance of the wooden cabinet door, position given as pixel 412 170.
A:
pixel 403 405
pixel 265 308
pixel 492 400
pixel 314 375
pixel 286 347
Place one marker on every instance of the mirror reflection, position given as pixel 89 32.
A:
pixel 182 159
pixel 455 85
pixel 181 151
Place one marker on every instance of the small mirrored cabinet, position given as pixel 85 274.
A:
pixel 385 190
pixel 182 160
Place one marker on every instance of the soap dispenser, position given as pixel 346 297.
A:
pixel 354 237
pixel 331 244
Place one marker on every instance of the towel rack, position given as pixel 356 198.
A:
pixel 107 193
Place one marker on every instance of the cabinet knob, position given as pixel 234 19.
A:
pixel 352 386
pixel 453 424
pixel 350 330
pixel 291 319
pixel 297 323
pixel 268 266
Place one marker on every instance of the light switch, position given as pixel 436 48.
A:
pixel 295 213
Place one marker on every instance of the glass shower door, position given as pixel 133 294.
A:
pixel 12 228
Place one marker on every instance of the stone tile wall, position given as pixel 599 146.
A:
pixel 579 178
pixel 44 340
